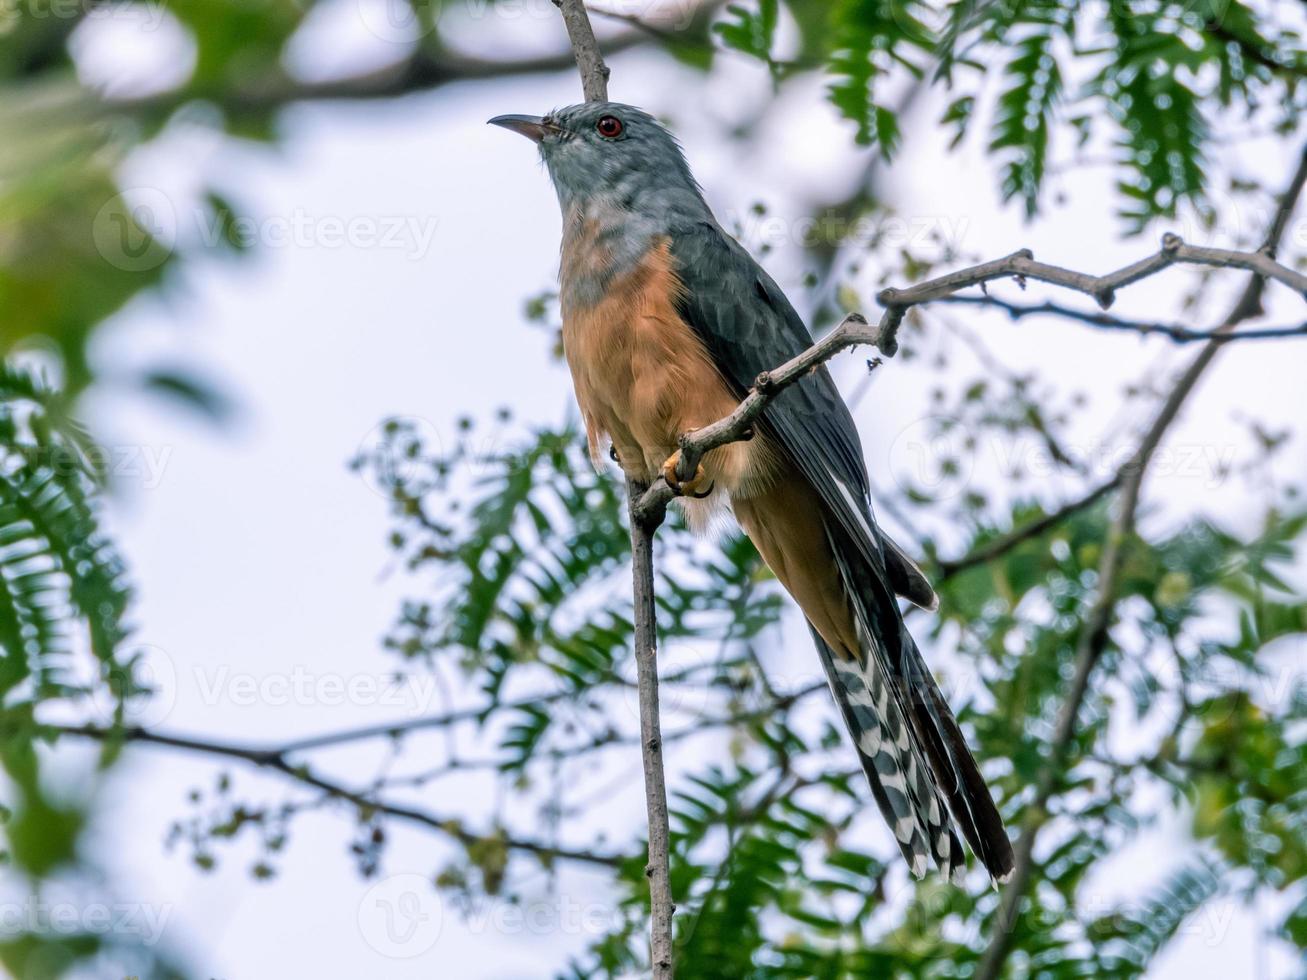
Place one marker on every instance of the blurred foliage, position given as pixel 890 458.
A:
pixel 63 220
pixel 63 639
pixel 1194 719
pixel 1154 75
pixel 1146 82
pixel 56 570
pixel 1191 720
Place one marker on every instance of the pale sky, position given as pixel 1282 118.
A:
pixel 397 244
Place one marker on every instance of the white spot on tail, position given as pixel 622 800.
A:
pixel 859 697
pixel 895 782
pixel 904 829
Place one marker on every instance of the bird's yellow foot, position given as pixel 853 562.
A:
pixel 698 486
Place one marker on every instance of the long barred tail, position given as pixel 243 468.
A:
pixel 916 760
pixel 955 767
pixel 899 779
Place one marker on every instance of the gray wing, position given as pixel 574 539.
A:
pixel 749 327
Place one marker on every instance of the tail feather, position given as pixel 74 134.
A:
pixel 880 756
pixel 959 777
pixel 916 761
pixel 891 692
pixel 876 750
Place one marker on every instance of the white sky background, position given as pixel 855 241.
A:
pixel 259 557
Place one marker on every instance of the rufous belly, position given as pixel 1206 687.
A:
pixel 643 377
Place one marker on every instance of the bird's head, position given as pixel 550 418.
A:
pixel 606 149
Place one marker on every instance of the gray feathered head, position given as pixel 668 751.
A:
pixel 608 149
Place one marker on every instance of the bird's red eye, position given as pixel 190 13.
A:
pixel 609 127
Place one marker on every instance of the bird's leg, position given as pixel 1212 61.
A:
pixel 697 486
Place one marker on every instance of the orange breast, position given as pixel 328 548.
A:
pixel 642 374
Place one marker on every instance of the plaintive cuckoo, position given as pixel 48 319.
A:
pixel 667 321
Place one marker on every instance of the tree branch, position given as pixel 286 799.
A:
pixel 1102 288
pixel 276 760
pixel 589 59
pixel 854 329
pixel 658 870
pixel 1173 331
pixel 422 71
pixel 1002 545
pixel 644 523
pixel 1094 631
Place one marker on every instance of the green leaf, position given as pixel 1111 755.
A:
pixel 1024 121
pixel 751 32
pixel 185 388
pixel 870 38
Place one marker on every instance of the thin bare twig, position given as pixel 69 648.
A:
pixel 589 59
pixel 658 868
pixel 1094 631
pixel 852 331
pixel 274 759
pixel 1002 545
pixel 855 330
pixel 1172 331
pixel 1102 288
pixel 644 523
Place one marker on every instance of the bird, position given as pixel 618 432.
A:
pixel 666 323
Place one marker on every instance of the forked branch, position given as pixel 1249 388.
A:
pixel 648 505
pixel 854 330
pixel 644 523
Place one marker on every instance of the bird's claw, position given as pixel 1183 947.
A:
pixel 694 486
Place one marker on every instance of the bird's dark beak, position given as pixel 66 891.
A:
pixel 532 127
